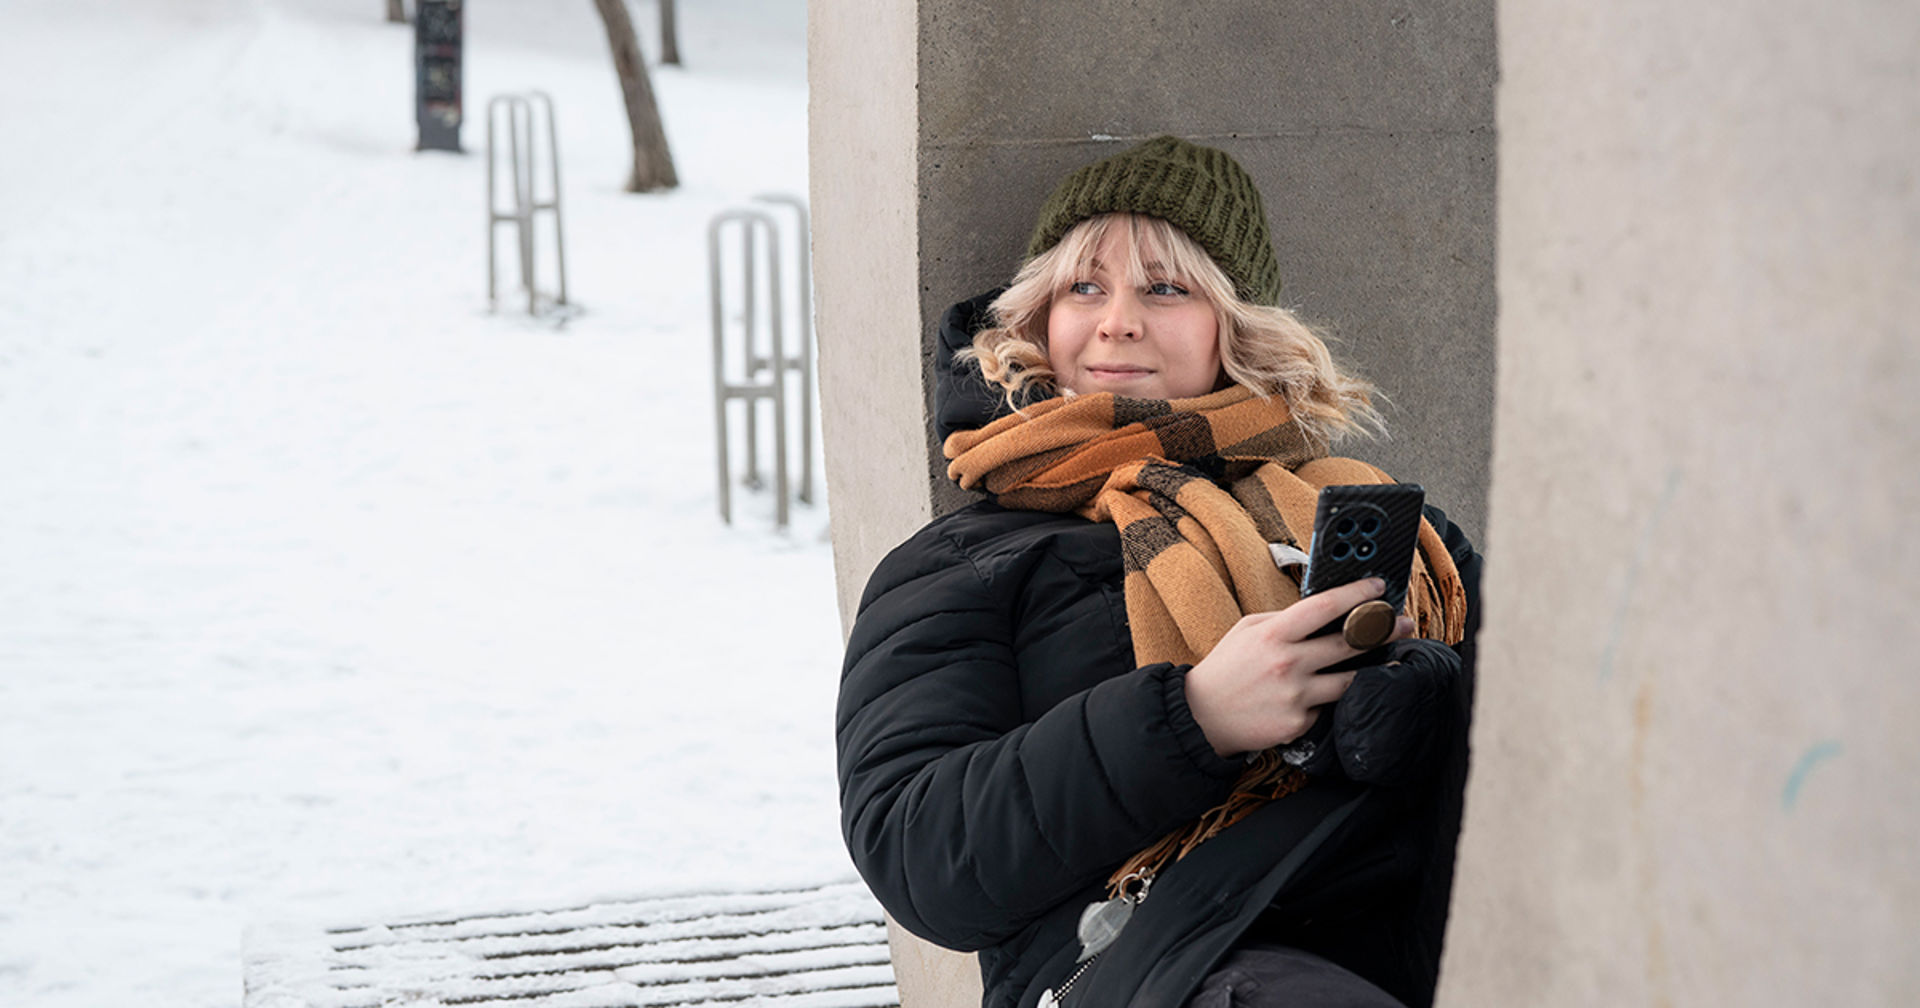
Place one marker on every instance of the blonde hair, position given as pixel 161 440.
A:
pixel 1266 349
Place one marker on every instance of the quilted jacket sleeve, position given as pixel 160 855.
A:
pixel 967 819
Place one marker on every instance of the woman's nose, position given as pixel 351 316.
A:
pixel 1122 318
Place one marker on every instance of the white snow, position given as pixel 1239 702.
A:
pixel 325 594
pixel 816 947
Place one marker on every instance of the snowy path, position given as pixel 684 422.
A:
pixel 329 596
pixel 812 948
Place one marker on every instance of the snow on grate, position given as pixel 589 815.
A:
pixel 809 948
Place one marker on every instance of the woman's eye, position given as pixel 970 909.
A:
pixel 1164 288
pixel 1083 287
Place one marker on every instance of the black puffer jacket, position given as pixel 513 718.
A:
pixel 1000 755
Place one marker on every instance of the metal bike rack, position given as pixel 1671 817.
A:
pixel 802 361
pixel 759 338
pixel 518 115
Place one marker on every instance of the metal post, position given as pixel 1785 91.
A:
pixel 720 396
pixel 493 217
pixel 763 380
pixel 553 203
pixel 755 362
pixel 522 145
pixel 517 115
pixel 803 358
pixel 511 108
pixel 778 379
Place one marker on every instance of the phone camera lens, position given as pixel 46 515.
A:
pixel 1369 525
pixel 1363 551
pixel 1344 527
pixel 1340 551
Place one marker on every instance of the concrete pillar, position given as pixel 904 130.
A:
pixel 939 127
pixel 1694 778
pixel 862 115
pixel 862 123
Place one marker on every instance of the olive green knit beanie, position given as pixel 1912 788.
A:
pixel 1200 190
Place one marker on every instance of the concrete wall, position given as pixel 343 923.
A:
pixel 862 123
pixel 1695 770
pixel 863 71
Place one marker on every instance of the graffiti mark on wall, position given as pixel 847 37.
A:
pixel 1797 777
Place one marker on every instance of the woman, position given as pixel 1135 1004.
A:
pixel 1085 725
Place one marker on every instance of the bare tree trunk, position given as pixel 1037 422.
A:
pixel 652 162
pixel 397 11
pixel 669 35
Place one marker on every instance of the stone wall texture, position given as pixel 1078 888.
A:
pixel 1694 777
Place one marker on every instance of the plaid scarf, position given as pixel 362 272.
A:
pixel 1197 488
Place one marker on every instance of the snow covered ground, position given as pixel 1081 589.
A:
pixel 325 594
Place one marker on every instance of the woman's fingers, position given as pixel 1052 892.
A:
pixel 1317 653
pixel 1325 689
pixel 1307 616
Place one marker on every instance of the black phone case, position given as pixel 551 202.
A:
pixel 1363 531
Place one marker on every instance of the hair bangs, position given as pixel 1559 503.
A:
pixel 1153 250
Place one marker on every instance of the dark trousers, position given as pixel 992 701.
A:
pixel 1274 976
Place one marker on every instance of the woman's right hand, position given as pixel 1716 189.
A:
pixel 1260 685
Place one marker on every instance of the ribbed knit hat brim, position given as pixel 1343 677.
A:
pixel 1200 190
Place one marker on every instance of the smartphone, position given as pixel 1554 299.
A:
pixel 1362 531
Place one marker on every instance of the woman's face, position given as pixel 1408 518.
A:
pixel 1105 334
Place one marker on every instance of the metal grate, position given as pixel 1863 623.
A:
pixel 823 947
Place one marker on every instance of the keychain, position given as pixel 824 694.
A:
pixel 1100 925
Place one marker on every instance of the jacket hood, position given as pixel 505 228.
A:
pixel 962 399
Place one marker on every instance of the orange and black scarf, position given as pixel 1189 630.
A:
pixel 1198 488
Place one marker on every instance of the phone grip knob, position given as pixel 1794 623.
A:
pixel 1369 625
